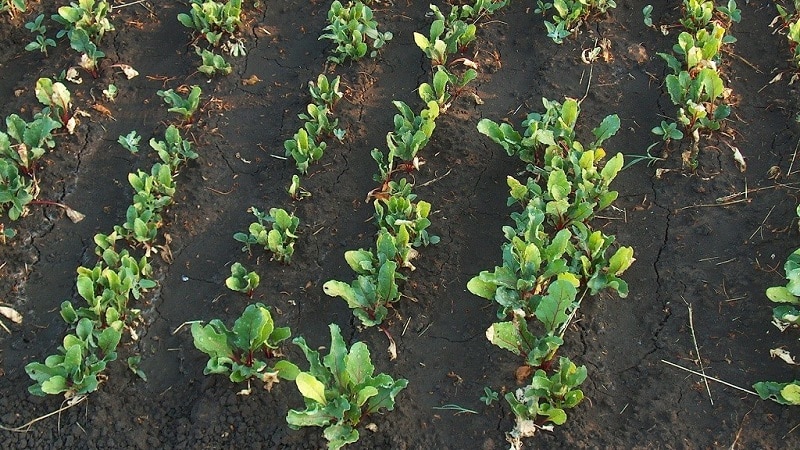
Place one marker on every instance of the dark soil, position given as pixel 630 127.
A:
pixel 691 251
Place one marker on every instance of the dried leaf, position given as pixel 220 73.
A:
pixel 73 76
pixel 522 374
pixel 392 348
pixel 777 78
pixel 11 314
pixel 73 215
pixel 129 71
pixel 737 156
pixel 102 110
pixel 251 80
pixel 782 354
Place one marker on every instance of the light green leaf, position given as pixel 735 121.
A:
pixel 311 388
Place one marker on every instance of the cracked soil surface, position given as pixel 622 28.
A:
pixel 690 251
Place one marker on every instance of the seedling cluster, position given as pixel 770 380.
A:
pixel 570 15
pixel 23 144
pixel 116 280
pixel 279 239
pixel 552 258
pixel 216 23
pixel 308 145
pixel 354 31
pixel 696 85
pixel 402 220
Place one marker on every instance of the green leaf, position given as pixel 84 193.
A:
pixel 108 340
pixel 54 385
pixel 314 416
pixel 209 341
pixel 552 308
pixel 336 357
pixel 505 335
pixel 287 370
pixel 335 288
pixel 607 128
pixel 387 392
pixel 339 435
pixel 621 260
pixel 612 168
pixel 780 294
pixel 558 186
pixel 310 387
pixel 359 364
pixel 253 328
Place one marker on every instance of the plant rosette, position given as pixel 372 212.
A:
pixel 341 389
pixel 245 351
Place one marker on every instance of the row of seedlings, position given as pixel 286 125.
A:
pixel 787 314
pixel 119 278
pixel 784 316
pixel 696 85
pixel 553 258
pixel 23 144
pixel 340 388
pixel 402 220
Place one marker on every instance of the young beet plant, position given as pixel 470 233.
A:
pixel 341 389
pixel 213 19
pixel 241 280
pixel 185 107
pixel 570 14
pixel 85 23
pixel 354 31
pixel 325 92
pixel 279 240
pixel 248 350
pixel 77 367
pixel 545 400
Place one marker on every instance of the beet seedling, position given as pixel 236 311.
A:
pixel 325 92
pixel 213 19
pixel 400 210
pixel 26 142
pixel 246 351
pixel 78 366
pixel 56 99
pixel 130 141
pixel 349 28
pixel 241 280
pixel 174 151
pixel 212 63
pixel 279 240
pixel 570 14
pixel 545 400
pixel 41 42
pixel 16 192
pixel 186 107
pixel 88 16
pixel 340 389
pixel 296 191
pixel 304 150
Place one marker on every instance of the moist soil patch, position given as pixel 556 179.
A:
pixel 691 251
